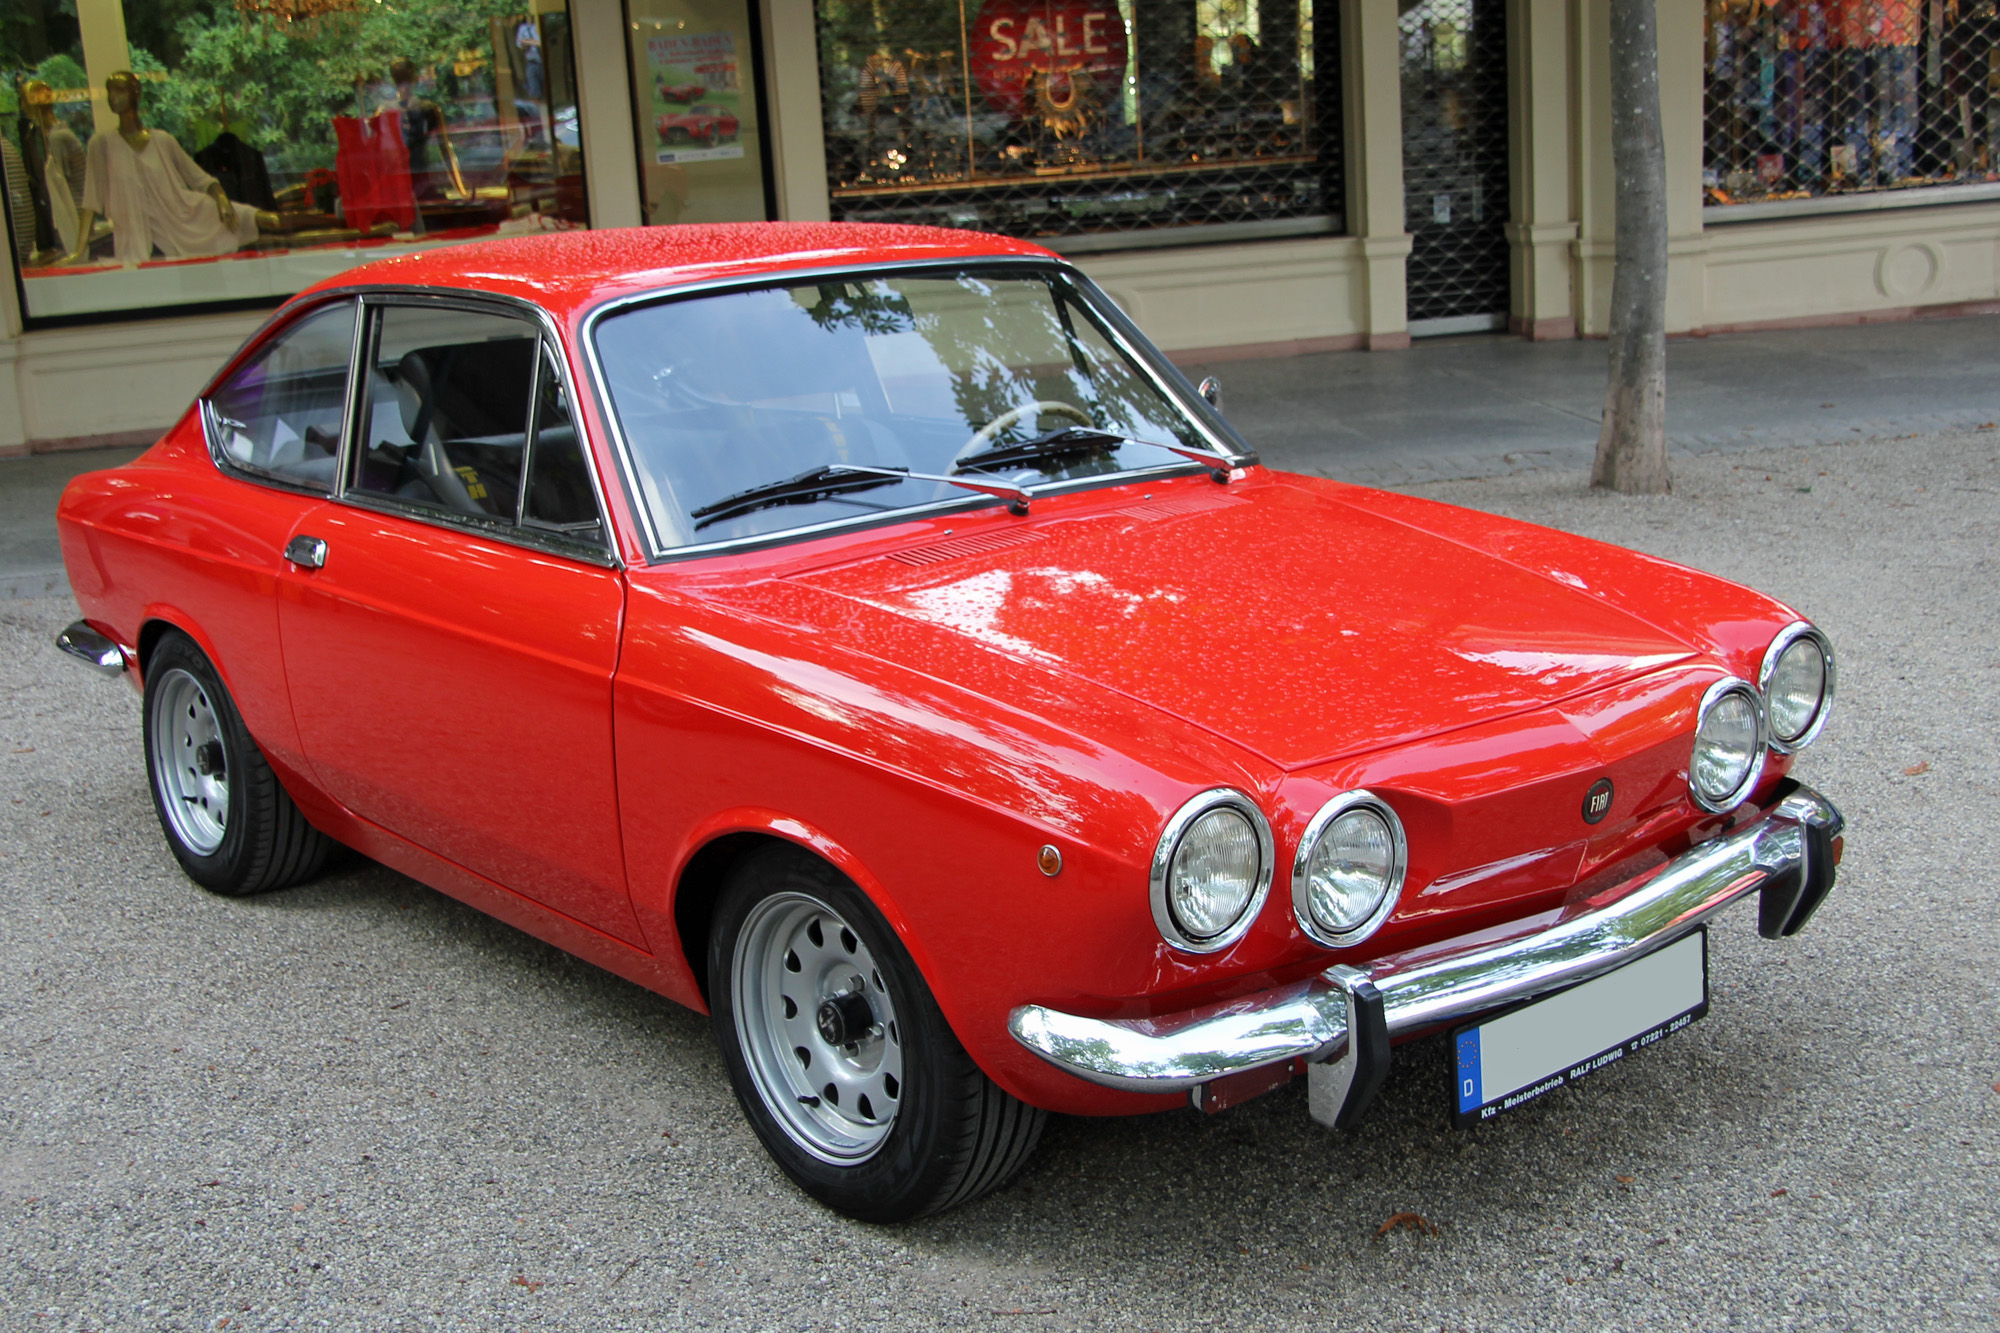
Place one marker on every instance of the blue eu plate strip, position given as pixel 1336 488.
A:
pixel 1470 1094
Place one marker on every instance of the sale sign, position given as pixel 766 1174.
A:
pixel 1015 40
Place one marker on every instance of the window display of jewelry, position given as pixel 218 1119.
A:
pixel 1064 117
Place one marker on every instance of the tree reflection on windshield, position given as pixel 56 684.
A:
pixel 721 394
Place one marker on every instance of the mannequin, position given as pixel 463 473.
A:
pixel 62 164
pixel 152 191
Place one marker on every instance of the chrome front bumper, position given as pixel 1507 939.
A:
pixel 1786 856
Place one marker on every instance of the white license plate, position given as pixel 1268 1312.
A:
pixel 1539 1047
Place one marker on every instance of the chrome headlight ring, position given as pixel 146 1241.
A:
pixel 1216 798
pixel 1710 700
pixel 1788 636
pixel 1358 799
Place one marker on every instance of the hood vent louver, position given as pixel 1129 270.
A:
pixel 1192 504
pixel 959 547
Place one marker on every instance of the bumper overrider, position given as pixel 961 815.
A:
pixel 1341 1022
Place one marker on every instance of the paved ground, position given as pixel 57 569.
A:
pixel 359 1105
pixel 30 559
pixel 1446 409
pixel 1480 407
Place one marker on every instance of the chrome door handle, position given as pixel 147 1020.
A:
pixel 306 552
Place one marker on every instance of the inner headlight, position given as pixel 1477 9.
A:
pixel 1211 871
pixel 1797 680
pixel 1728 745
pixel 1349 869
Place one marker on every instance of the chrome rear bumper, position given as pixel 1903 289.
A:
pixel 1787 856
pixel 91 648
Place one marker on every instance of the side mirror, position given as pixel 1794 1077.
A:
pixel 1211 389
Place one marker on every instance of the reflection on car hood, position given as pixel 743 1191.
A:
pixel 1269 613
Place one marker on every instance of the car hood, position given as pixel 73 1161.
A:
pixel 1269 613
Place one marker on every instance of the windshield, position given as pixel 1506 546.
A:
pixel 720 397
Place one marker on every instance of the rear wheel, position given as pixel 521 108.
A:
pixel 229 822
pixel 841 1058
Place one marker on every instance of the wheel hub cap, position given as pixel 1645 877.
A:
pixel 190 766
pixel 845 1019
pixel 817 1028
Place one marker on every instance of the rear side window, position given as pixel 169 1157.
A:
pixel 280 414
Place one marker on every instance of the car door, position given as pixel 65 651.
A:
pixel 451 619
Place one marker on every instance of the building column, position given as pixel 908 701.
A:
pixel 101 25
pixel 797 133
pixel 1595 246
pixel 1371 83
pixel 604 111
pixel 1542 215
pixel 1595 249
pixel 1683 125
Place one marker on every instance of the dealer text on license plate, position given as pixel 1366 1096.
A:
pixel 1539 1047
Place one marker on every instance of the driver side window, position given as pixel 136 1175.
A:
pixel 445 419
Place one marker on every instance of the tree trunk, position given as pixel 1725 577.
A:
pixel 1632 443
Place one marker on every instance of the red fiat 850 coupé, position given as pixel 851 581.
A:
pixel 864 635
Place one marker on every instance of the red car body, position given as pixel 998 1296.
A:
pixel 705 124
pixel 580 748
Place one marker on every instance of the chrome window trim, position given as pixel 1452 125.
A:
pixel 1163 857
pixel 272 328
pixel 1116 325
pixel 549 337
pixel 1790 634
pixel 1709 699
pixel 1360 798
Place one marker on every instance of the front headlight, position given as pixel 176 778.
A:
pixel 1729 740
pixel 1797 681
pixel 1349 869
pixel 1211 871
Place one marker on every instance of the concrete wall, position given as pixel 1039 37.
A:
pixel 1254 298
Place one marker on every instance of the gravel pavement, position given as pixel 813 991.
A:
pixel 360 1105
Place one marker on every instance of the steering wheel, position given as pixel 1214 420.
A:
pixel 1012 416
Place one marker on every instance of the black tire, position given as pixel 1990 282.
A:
pixel 265 842
pixel 955 1135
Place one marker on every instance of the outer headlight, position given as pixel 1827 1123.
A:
pixel 1211 871
pixel 1729 739
pixel 1797 681
pixel 1349 869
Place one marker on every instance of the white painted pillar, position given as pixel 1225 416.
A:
pixel 1542 219
pixel 797 133
pixel 102 25
pixel 604 112
pixel 1371 82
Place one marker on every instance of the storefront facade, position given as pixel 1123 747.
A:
pixel 1247 177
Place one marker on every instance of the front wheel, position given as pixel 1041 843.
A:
pixel 228 821
pixel 841 1058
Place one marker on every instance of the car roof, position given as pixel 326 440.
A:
pixel 566 272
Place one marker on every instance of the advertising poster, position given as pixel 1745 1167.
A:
pixel 696 94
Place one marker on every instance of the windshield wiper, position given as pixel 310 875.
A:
pixel 832 479
pixel 1053 444
pixel 816 483
pixel 1087 439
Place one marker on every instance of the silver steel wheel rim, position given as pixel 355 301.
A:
pixel 187 740
pixel 836 1101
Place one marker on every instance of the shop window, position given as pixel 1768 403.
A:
pixel 694 96
pixel 168 154
pixel 1812 98
pixel 1089 120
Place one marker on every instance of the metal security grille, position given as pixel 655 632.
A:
pixel 1067 118
pixel 1455 162
pixel 1825 97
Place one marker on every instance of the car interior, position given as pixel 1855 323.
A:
pixel 445 423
